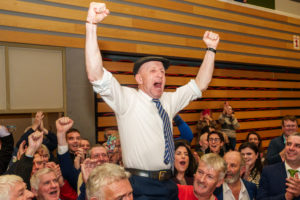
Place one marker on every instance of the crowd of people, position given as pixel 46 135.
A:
pixel 141 160
pixel 82 171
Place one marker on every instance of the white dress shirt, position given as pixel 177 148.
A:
pixel 139 123
pixel 227 193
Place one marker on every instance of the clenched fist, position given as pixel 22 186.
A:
pixel 211 39
pixel 97 12
pixel 63 124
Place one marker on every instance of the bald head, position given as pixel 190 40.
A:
pixel 235 164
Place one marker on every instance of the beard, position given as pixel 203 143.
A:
pixel 233 179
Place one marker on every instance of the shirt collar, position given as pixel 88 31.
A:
pixel 243 188
pixel 227 189
pixel 146 96
pixel 284 139
pixel 287 167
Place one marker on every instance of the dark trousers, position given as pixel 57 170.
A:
pixel 152 189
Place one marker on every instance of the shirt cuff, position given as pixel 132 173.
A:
pixel 62 149
pixel 100 86
pixel 195 88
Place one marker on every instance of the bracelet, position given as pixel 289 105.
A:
pixel 211 49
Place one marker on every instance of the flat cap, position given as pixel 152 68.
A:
pixel 143 60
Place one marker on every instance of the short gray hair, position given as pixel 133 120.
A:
pixel 35 178
pixel 216 162
pixel 295 134
pixel 103 175
pixel 96 146
pixel 6 183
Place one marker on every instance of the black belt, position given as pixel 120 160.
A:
pixel 161 175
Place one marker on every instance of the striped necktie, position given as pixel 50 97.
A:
pixel 169 143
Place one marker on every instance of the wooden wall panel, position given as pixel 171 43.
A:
pixel 255 40
pixel 259 98
pixel 169 28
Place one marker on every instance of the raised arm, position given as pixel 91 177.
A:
pixel 68 170
pixel 93 60
pixel 63 124
pixel 207 67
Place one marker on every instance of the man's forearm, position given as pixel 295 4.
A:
pixel 92 54
pixel 206 70
pixel 61 139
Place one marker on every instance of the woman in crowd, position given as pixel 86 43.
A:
pixel 229 124
pixel 206 122
pixel 185 164
pixel 253 163
pixel 255 138
pixel 216 142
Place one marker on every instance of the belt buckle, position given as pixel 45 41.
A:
pixel 161 175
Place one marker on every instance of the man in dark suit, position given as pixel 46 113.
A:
pixel 234 187
pixel 280 181
pixel 275 151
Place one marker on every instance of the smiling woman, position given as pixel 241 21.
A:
pixel 252 159
pixel 185 164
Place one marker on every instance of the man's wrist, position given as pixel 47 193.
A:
pixel 30 152
pixel 211 49
pixel 45 131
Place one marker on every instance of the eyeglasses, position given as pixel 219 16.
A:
pixel 214 139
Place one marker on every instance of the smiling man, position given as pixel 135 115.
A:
pixel 282 180
pixel 73 140
pixel 234 187
pixel 144 116
pixel 12 187
pixel 275 153
pixel 109 182
pixel 209 175
pixel 44 184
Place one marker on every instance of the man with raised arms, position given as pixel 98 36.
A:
pixel 144 115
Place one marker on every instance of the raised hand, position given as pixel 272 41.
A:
pixel 39 116
pixel 21 150
pixel 63 124
pixel 86 168
pixel 43 129
pixel 196 156
pixel 80 156
pixel 34 142
pixel 58 173
pixel 211 39
pixel 227 108
pixel 97 12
